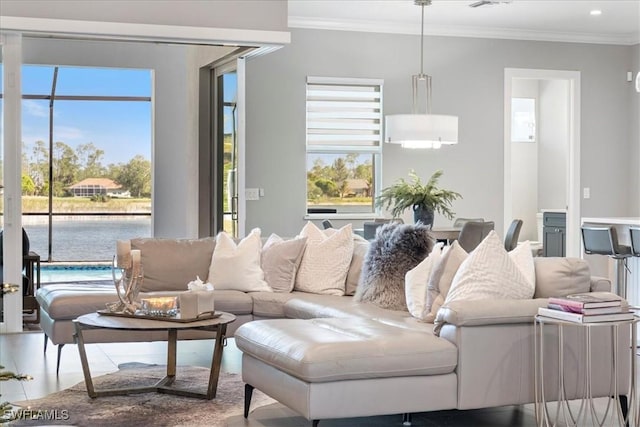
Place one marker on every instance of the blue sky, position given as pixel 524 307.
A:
pixel 121 129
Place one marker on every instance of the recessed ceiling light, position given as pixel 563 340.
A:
pixel 595 12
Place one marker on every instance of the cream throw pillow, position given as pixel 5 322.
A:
pixel 325 262
pixel 237 267
pixel 416 281
pixel 360 248
pixel 280 261
pixel 441 278
pixel 488 273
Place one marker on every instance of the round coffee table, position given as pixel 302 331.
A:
pixel 100 321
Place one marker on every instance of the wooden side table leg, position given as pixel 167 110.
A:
pixel 172 345
pixel 83 359
pixel 216 361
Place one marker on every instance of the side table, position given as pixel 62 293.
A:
pixel 97 321
pixel 627 408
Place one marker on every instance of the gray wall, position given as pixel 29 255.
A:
pixel 553 144
pixel 467 81
pixel 634 132
pixel 255 14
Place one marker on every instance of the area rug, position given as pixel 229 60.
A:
pixel 74 407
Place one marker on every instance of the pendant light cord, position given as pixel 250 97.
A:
pixel 422 43
pixel 422 77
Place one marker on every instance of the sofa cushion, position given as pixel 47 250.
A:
pixel 280 261
pixel 270 304
pixel 237 266
pixel 65 302
pixel 321 350
pixel 169 264
pixel 559 277
pixel 325 262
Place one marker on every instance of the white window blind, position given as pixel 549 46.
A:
pixel 344 112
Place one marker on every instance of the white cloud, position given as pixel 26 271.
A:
pixel 67 133
pixel 34 108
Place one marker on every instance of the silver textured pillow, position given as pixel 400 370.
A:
pixel 396 249
pixel 280 261
pixel 169 264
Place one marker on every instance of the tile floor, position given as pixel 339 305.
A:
pixel 24 353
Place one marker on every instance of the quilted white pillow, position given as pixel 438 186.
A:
pixel 488 273
pixel 523 257
pixel 416 280
pixel 237 267
pixel 325 262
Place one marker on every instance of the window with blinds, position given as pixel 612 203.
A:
pixel 344 144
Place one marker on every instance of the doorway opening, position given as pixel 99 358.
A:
pixel 542 171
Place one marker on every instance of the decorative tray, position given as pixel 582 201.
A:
pixel 140 315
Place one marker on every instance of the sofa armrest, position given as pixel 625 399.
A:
pixel 490 312
pixel 600 284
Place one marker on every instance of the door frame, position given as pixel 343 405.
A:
pixel 11 44
pixel 573 155
pixel 236 63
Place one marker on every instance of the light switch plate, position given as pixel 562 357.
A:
pixel 252 194
pixel 586 193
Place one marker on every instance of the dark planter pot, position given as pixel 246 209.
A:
pixel 422 215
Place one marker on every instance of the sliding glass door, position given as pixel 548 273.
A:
pixel 226 144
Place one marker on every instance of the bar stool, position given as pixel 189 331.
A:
pixel 604 241
pixel 635 240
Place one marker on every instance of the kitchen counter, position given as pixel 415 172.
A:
pixel 613 220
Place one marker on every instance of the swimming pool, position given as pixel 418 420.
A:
pixel 74 273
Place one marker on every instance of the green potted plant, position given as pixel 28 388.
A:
pixel 424 199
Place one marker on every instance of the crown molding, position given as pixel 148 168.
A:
pixel 459 31
pixel 142 32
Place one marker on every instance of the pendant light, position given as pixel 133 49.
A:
pixel 421 130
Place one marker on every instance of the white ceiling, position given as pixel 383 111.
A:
pixel 552 20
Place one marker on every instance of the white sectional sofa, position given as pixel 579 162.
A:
pixel 327 356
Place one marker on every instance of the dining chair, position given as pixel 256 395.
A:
pixel 473 232
pixel 513 233
pixel 459 222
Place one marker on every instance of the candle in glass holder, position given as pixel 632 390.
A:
pixel 161 306
pixel 123 253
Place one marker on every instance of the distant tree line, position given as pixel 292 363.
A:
pixel 71 166
pixel 333 180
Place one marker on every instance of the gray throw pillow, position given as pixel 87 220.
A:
pixel 280 261
pixel 169 264
pixel 396 249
